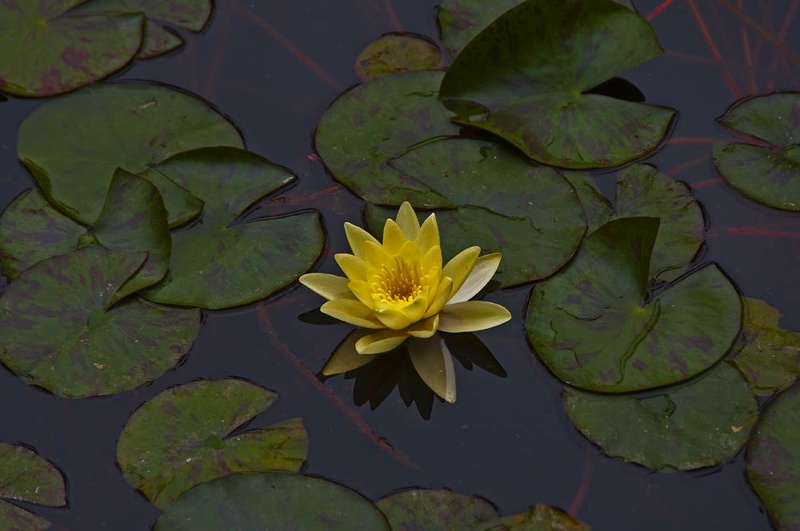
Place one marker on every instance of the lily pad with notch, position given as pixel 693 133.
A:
pixel 435 510
pixel 27 477
pixel 597 327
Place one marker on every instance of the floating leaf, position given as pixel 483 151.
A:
pixel 184 437
pixel 59 332
pixel 596 206
pixel 773 459
pixel 271 501
pixel 541 517
pixel 159 40
pixel 224 261
pixel 47 49
pixel 28 477
pixel 596 327
pixel 699 423
pixel 767 355
pixel 768 174
pixel 18 519
pixel 526 78
pixel 437 510
pixel 394 53
pixel 73 145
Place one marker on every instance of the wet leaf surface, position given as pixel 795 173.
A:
pixel 393 53
pixel 16 518
pixel 541 517
pixel 437 510
pixel 26 476
pixel 271 501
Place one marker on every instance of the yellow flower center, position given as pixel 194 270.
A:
pixel 399 281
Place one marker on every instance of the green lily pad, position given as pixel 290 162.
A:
pixel 596 206
pixel 767 355
pixel 768 174
pixel 159 40
pixel 59 331
pixel 541 517
pixel 596 326
pixel 47 49
pixel 271 501
pixel 184 437
pixel 437 509
pixel 773 459
pixel 18 519
pixel 532 215
pixel 73 145
pixel 699 423
pixel 526 77
pixel 28 477
pixel 224 261
pixel 394 53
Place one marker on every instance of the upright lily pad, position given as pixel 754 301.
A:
pixel 184 437
pixel 773 459
pixel 526 78
pixel 73 145
pixel 224 261
pixel 59 331
pixel 769 174
pixel 699 423
pixel 28 477
pixel 596 326
pixel 47 49
pixel 397 52
pixel 541 517
pixel 271 501
pixel 437 509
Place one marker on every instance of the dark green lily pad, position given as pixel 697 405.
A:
pixel 225 261
pixel 159 40
pixel 699 423
pixel 768 174
pixel 184 437
pixel 773 459
pixel 392 53
pixel 767 355
pixel 73 145
pixel 541 517
pixel 437 510
pixel 18 519
pixel 596 206
pixel 526 77
pixel 596 327
pixel 59 331
pixel 46 49
pixel 271 501
pixel 532 214
pixel 28 477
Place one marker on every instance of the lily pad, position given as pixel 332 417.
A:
pixel 159 40
pixel 596 326
pixel 773 459
pixel 47 49
pixel 769 174
pixel 767 355
pixel 526 78
pixel 225 261
pixel 184 437
pixel 541 517
pixel 699 423
pixel 17 518
pixel 73 145
pixel 398 52
pixel 28 477
pixel 271 501
pixel 59 331
pixel 437 510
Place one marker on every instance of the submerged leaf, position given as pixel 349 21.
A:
pixel 435 510
pixel 394 53
pixel 541 517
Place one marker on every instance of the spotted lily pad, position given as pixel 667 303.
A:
pixel 437 510
pixel 397 52
pixel 699 423
pixel 47 49
pixel 59 331
pixel 28 477
pixel 541 517
pixel 596 326
pixel 186 436
pixel 226 261
pixel 767 172
pixel 73 145
pixel 526 78
pixel 271 501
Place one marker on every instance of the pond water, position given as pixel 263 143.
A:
pixel 274 67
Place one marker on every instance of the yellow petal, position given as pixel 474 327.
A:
pixel 434 364
pixel 360 289
pixel 397 317
pixel 380 342
pixel 460 266
pixel 425 328
pixel 375 256
pixel 428 234
pixel 407 219
pixel 346 357
pixel 432 259
pixel 354 267
pixel 482 273
pixel 329 286
pixel 471 316
pixel 441 298
pixel 356 236
pixel 393 237
pixel 351 311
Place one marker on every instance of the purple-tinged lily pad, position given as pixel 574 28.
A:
pixel 59 330
pixel 27 477
pixel 527 77
pixel 393 53
pixel 74 144
pixel 187 435
pixel 225 261
pixel 699 423
pixel 436 510
pixel 596 326
pixel 271 501
pixel 541 517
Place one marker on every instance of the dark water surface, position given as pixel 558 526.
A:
pixel 506 439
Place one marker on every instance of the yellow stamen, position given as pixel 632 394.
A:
pixel 399 281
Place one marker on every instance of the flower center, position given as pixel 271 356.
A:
pixel 399 281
